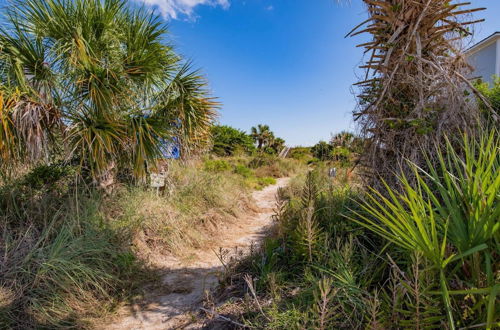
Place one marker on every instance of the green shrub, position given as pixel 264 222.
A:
pixel 47 175
pixel 492 94
pixel 261 160
pixel 267 165
pixel 216 165
pixel 243 171
pixel 266 181
pixel 317 259
pixel 71 257
pixel 313 161
pixel 300 153
pixel 322 150
pixel 341 155
pixel 228 141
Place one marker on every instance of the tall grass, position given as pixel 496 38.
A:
pixel 58 266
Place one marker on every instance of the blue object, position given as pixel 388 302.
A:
pixel 171 149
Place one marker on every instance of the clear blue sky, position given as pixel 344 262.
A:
pixel 284 63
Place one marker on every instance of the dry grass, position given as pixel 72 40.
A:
pixel 71 253
pixel 197 206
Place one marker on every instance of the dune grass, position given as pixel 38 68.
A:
pixel 71 253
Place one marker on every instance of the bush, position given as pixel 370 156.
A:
pixel 71 253
pixel 341 156
pixel 322 151
pixel 47 175
pixel 450 217
pixel 266 181
pixel 261 160
pixel 317 259
pixel 228 141
pixel 216 165
pixel 492 94
pixel 300 153
pixel 243 171
pixel 387 259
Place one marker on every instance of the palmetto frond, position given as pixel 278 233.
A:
pixel 145 141
pixel 186 104
pixel 96 140
pixel 34 113
pixel 34 122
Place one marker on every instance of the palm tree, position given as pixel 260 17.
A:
pixel 98 76
pixel 343 139
pixel 278 144
pixel 262 135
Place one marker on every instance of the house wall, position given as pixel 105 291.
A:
pixel 485 62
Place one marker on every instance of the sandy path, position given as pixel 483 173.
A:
pixel 174 306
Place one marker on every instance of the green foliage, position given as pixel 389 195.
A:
pixel 300 153
pixel 256 172
pixel 228 141
pixel 318 268
pixel 341 155
pixel 266 181
pixel 492 94
pixel 266 141
pixel 450 216
pixel 409 256
pixel 261 135
pixel 102 71
pixel 322 151
pixel 261 160
pixel 44 175
pixel 243 171
pixel 70 253
pixel 216 165
pixel 342 149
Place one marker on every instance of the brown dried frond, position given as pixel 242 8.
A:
pixel 414 88
pixel 33 122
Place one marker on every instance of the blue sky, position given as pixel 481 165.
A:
pixel 284 63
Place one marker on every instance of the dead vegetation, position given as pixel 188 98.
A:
pixel 416 77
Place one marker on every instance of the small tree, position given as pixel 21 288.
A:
pixel 228 140
pixel 322 150
pixel 277 145
pixel 262 135
pixel 266 140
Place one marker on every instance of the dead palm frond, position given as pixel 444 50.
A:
pixel 413 90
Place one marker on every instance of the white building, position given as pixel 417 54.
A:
pixel 485 58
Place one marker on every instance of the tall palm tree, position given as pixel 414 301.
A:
pixel 262 135
pixel 100 77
